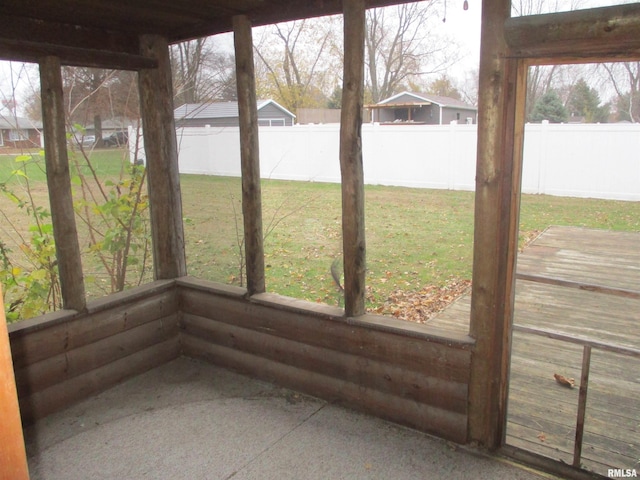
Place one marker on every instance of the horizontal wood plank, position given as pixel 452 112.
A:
pixel 606 32
pixel 443 360
pixel 554 294
pixel 79 330
pixel 61 395
pixel 446 424
pixel 419 386
pixel 62 367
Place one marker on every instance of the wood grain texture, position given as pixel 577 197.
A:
pixel 446 424
pixel 68 356
pixel 77 361
pixel 542 414
pixel 78 331
pixel 160 144
pixel 13 457
pixel 28 39
pixel 351 169
pixel 406 377
pixel 607 33
pixel 386 377
pixel 63 217
pixel 500 138
pixel 444 360
pixel 249 155
pixel 61 395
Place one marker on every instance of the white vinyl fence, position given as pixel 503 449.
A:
pixel 578 160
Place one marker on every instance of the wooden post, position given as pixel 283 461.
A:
pixel 353 231
pixel 582 405
pixel 160 144
pixel 498 174
pixel 249 154
pixel 13 457
pixel 59 182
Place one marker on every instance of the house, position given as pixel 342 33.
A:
pixel 225 114
pixel 110 126
pixel 19 133
pixel 421 108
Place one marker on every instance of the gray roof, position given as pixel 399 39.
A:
pixel 15 123
pixel 427 97
pixel 218 110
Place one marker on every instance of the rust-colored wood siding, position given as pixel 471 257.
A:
pixel 65 357
pixel 404 375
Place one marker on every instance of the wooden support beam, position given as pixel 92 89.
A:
pixel 249 155
pixel 353 231
pixel 598 34
pixel 500 138
pixel 165 200
pixel 13 457
pixel 23 51
pixel 29 40
pixel 63 217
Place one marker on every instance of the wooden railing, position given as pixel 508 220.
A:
pixel 587 346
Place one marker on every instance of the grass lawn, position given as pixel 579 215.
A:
pixel 415 237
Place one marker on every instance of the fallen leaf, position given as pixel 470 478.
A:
pixel 564 381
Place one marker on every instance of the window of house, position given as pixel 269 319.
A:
pixel 271 122
pixel 16 135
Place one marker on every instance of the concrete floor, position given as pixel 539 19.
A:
pixel 191 420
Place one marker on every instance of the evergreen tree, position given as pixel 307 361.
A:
pixel 584 101
pixel 335 100
pixel 550 108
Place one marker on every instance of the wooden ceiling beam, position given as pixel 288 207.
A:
pixel 65 34
pixel 78 57
pixel 29 40
pixel 121 15
pixel 598 34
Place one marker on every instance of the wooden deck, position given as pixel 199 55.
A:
pixel 582 283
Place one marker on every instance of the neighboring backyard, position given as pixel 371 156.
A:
pixel 419 241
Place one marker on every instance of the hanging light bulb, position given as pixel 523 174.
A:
pixel 465 5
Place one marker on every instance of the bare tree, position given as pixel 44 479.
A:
pixel 625 79
pixel 299 68
pixel 536 7
pixel 469 87
pixel 402 45
pixel 542 78
pixel 202 72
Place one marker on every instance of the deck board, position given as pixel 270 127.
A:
pixel 542 414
